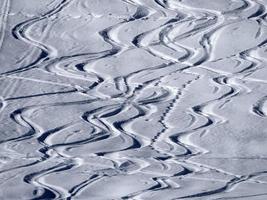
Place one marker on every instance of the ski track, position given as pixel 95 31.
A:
pixel 141 108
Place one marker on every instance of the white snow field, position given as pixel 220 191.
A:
pixel 133 99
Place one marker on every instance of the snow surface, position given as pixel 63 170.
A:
pixel 133 99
